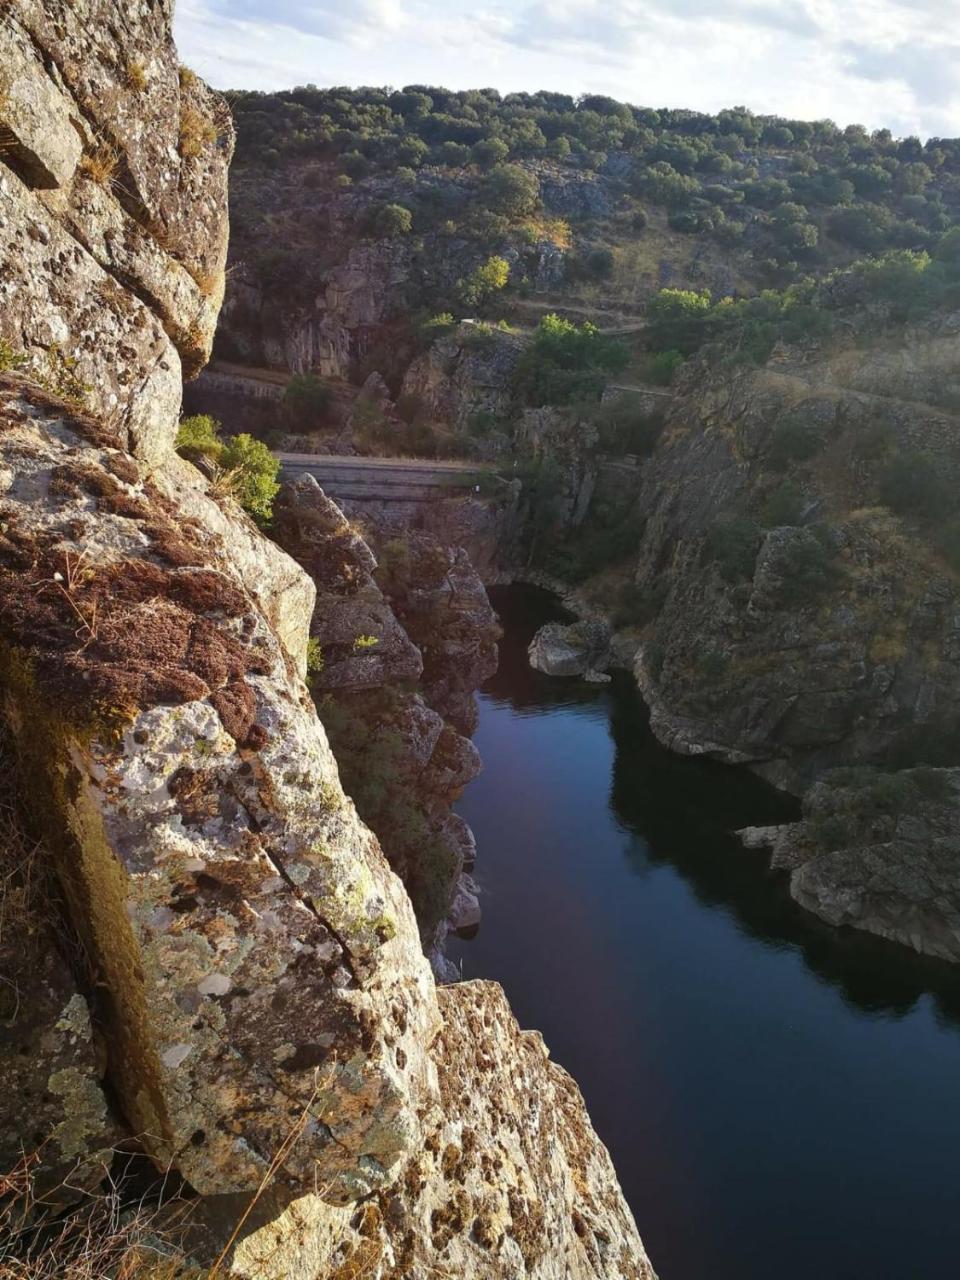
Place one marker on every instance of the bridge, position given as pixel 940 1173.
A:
pixel 351 479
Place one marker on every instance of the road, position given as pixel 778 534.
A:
pixel 384 479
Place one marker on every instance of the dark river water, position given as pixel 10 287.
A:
pixel 781 1101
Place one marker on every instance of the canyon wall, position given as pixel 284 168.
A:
pixel 233 981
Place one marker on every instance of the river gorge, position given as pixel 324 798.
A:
pixel 769 1089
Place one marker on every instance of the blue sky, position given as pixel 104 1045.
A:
pixel 877 62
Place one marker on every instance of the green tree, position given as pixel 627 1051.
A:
pixel 489 151
pixel 678 319
pixel 488 279
pixel 510 190
pixel 253 472
pixel 384 221
pixel 307 400
pixel 568 363
pixel 662 183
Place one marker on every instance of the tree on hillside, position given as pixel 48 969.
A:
pixel 678 320
pixel 510 190
pixel 387 220
pixel 568 363
pixel 489 151
pixel 488 279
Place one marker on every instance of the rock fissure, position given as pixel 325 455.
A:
pixel 257 959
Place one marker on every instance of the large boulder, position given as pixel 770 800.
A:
pixel 113 225
pixel 878 852
pixel 575 649
pixel 261 958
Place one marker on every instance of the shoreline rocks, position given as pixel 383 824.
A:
pixel 572 649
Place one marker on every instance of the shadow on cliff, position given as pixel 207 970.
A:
pixel 682 812
pixel 686 810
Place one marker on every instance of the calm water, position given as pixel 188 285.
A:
pixel 782 1102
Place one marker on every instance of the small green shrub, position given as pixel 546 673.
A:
pixel 733 544
pixel 808 570
pixel 660 367
pixel 10 359
pixel 489 278
pixel 794 440
pixel 199 437
pixel 434 327
pixel 913 484
pixel 307 400
pixel 253 472
pixel 315 658
pixel 386 221
pixel 784 506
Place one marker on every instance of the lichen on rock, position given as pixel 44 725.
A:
pixel 247 975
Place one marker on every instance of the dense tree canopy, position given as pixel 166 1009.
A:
pixel 785 188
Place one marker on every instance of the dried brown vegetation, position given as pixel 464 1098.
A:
pixel 196 131
pixel 100 163
pixel 113 639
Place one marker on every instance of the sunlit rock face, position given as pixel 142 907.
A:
pixel 245 974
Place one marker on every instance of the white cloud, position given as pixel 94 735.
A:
pixel 878 62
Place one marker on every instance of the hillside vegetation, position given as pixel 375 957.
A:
pixel 801 195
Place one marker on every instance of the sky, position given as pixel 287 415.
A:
pixel 880 63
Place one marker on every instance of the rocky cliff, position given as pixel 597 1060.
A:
pixel 806 613
pixel 793 596
pixel 396 663
pixel 235 985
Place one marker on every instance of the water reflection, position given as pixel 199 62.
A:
pixel 779 1098
pixel 682 812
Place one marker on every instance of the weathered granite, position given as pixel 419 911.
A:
pixel 574 649
pixel 404 765
pixel 112 210
pixel 877 852
pixel 511 1181
pixel 260 956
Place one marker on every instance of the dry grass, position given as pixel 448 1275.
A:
pixel 206 279
pixel 196 131
pixel 102 1236
pixel 100 164
pixel 188 78
pixel 135 76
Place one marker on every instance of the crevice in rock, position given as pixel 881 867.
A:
pixel 307 901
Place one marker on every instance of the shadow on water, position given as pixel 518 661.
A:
pixel 682 812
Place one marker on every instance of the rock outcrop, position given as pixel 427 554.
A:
pixel 466 377
pixel 395 676
pixel 229 899
pixel 575 649
pixel 878 852
pixel 510 1180
pixel 247 978
pixel 111 155
pixel 799 624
